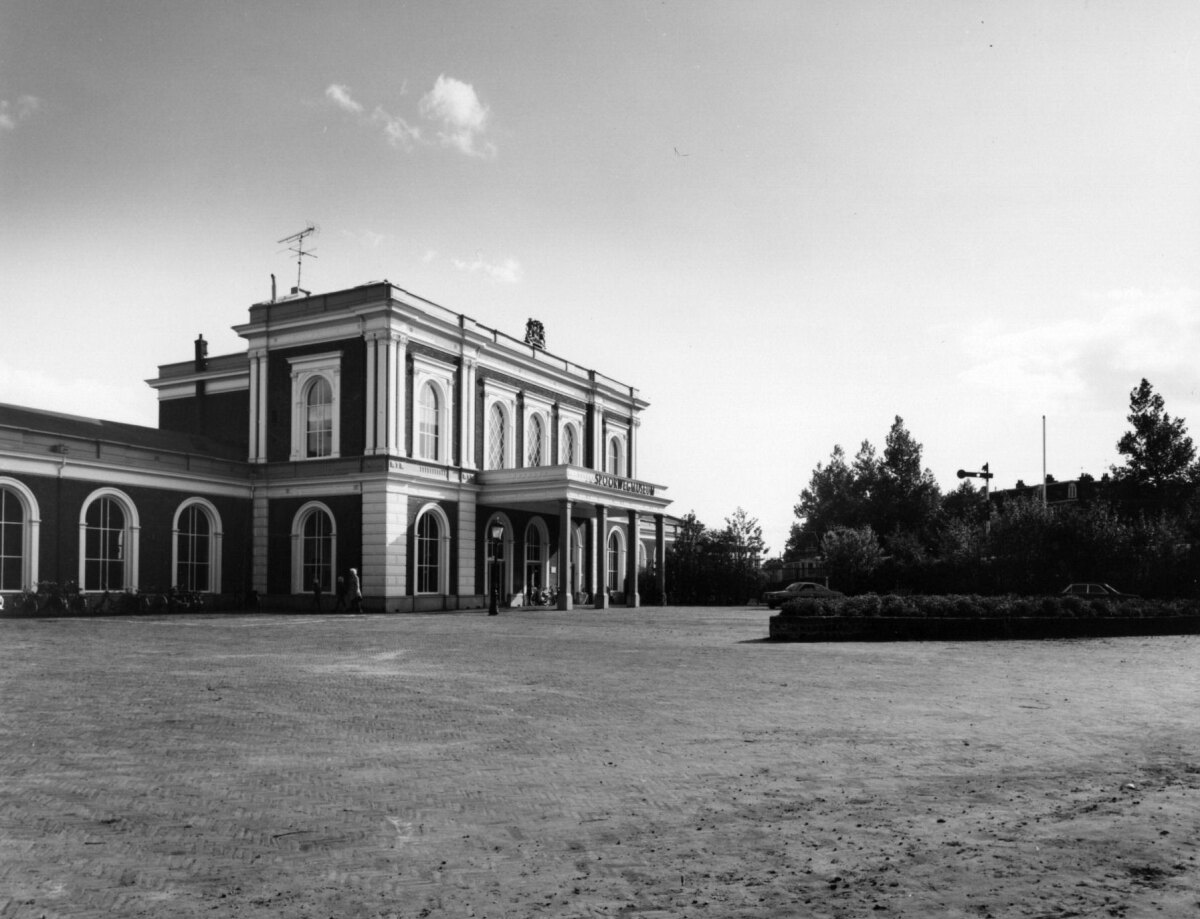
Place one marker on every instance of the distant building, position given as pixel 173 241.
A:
pixel 1084 489
pixel 366 428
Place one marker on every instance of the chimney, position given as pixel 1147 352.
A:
pixel 201 354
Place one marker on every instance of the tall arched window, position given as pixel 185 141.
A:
pixel 614 456
pixel 536 555
pixel 12 541
pixel 568 445
pixel 20 523
pixel 319 418
pixel 429 431
pixel 314 558
pixel 196 558
pixel 533 437
pixel 498 570
pixel 496 432
pixel 108 536
pixel 614 561
pixel 429 554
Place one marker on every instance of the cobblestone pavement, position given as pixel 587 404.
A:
pixel 654 762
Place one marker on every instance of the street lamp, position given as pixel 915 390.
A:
pixel 497 533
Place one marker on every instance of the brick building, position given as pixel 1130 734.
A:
pixel 366 428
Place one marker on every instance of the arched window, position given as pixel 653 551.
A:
pixel 614 561
pixel 498 569
pixel 496 433
pixel 567 449
pixel 614 456
pixel 318 402
pixel 12 541
pixel 431 568
pixel 537 539
pixel 18 536
pixel 533 437
pixel 314 548
pixel 108 535
pixel 197 551
pixel 429 424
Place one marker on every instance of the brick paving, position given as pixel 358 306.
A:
pixel 652 762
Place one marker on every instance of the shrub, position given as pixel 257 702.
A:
pixel 970 606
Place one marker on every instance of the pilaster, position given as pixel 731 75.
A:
pixel 601 593
pixel 632 551
pixel 565 600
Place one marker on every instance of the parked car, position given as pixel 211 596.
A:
pixel 797 591
pixel 1094 590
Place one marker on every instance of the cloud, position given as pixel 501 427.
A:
pixel 463 118
pixel 339 95
pixel 506 272
pixel 399 133
pixel 1119 337
pixel 452 105
pixel 12 113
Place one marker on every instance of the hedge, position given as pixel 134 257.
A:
pixel 971 606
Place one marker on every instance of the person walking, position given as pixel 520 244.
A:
pixel 340 605
pixel 354 590
pixel 316 592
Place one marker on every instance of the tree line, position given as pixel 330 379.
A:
pixel 881 523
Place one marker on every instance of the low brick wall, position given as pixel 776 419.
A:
pixel 837 628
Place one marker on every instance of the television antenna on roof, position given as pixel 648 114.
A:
pixel 295 244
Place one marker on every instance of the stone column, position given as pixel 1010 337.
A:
pixel 565 600
pixel 633 550
pixel 601 601
pixel 660 558
pixel 467 540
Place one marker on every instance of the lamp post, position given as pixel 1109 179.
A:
pixel 497 534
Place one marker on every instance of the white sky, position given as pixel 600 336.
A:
pixel 785 223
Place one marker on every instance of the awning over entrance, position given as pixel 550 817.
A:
pixel 543 488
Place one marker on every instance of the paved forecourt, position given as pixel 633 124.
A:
pixel 657 762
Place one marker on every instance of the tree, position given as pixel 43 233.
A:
pixel 852 556
pixel 965 503
pixel 716 566
pixel 1158 451
pixel 907 496
pixel 744 549
pixel 831 499
pixel 743 536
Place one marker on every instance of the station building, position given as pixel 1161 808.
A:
pixel 365 428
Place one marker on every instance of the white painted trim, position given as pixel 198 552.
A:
pixel 74 470
pixel 505 397
pixel 569 418
pixel 29 532
pixel 298 585
pixel 538 524
pixel 441 377
pixel 443 555
pixel 133 529
pixel 622 549
pixel 306 369
pixel 216 537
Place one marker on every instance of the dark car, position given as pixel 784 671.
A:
pixel 798 591
pixel 1095 590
